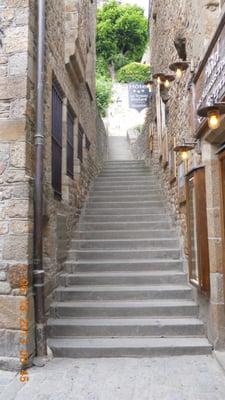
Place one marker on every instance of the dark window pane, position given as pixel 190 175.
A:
pixel 80 143
pixel 56 139
pixel 70 145
pixel 88 143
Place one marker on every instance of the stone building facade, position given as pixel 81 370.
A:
pixel 70 68
pixel 196 27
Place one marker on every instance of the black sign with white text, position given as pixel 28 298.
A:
pixel 138 95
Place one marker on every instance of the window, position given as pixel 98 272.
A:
pixel 70 142
pixel 57 103
pixel 80 143
pixel 87 143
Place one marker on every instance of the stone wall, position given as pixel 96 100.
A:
pixel 196 21
pixel 16 177
pixel 70 57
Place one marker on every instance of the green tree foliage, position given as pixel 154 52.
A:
pixel 103 94
pixel 103 85
pixel 133 72
pixel 122 33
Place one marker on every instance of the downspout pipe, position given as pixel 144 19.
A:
pixel 38 271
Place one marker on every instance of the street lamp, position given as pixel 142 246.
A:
pixel 213 113
pixel 183 149
pixel 179 67
pixel 150 85
pixel 160 78
pixel 168 80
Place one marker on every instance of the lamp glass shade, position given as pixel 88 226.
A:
pixel 184 155
pixel 179 67
pixel 159 80
pixel 167 83
pixel 179 73
pixel 214 119
pixel 149 86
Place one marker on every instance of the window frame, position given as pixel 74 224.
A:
pixel 80 143
pixel 70 142
pixel 56 138
pixel 87 143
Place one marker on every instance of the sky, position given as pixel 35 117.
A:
pixel 141 3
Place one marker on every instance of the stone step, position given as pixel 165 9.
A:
pixel 124 211
pixel 123 191
pixel 125 198
pixel 103 198
pixel 126 171
pixel 126 182
pixel 126 254
pixel 123 277
pixel 142 308
pixel 153 228
pixel 121 265
pixel 124 163
pixel 125 234
pixel 120 244
pixel 123 292
pixel 131 180
pixel 111 186
pixel 120 327
pixel 138 205
pixel 157 218
pixel 128 347
pixel 124 176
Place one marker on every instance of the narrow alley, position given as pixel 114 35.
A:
pixel 112 200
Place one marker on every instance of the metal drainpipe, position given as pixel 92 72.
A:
pixel 38 272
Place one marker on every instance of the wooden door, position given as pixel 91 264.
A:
pixel 198 230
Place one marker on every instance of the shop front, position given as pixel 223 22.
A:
pixel 206 210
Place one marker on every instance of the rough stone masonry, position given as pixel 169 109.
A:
pixel 70 58
pixel 195 22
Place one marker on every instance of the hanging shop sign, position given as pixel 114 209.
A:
pixel 138 96
pixel 210 77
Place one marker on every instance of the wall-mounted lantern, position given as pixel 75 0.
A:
pixel 168 80
pixel 179 67
pixel 213 113
pixel 160 78
pixel 183 149
pixel 150 84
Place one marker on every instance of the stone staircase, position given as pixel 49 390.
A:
pixel 123 292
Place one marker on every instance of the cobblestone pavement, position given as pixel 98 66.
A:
pixel 174 378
